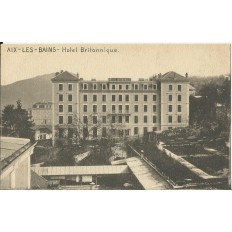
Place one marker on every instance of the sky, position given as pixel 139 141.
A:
pixel 130 60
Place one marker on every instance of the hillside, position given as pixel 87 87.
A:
pixel 29 91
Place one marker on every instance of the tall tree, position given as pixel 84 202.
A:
pixel 17 122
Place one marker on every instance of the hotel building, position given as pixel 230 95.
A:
pixel 121 106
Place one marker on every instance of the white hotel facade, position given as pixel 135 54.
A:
pixel 122 106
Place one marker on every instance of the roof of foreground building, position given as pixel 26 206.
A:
pixel 11 148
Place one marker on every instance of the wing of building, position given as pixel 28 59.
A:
pixel 119 106
pixel 15 162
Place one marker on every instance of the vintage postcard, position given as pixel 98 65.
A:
pixel 115 116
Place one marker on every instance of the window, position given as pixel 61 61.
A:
pixel 120 97
pixel 85 86
pixel 154 108
pixel 94 108
pixel 103 108
pixel 127 119
pixel 120 108
pixel 127 87
pixel 136 87
pixel 85 132
pixel 61 133
pixel 113 98
pixel 145 108
pixel 136 119
pixel 120 87
pixel 103 86
pixel 103 119
pixel 70 97
pixel 144 130
pixel 136 108
pixel 179 118
pixel 61 119
pixel 145 87
pixel 127 108
pixel 154 87
pixel 145 119
pixel 85 119
pixel 136 130
pixel 70 87
pixel 154 128
pixel 61 97
pixel 60 87
pixel 61 108
pixel 103 131
pixel 85 108
pixel 127 132
pixel 170 87
pixel 113 108
pixel 120 119
pixel 154 97
pixel 70 133
pixel 145 97
pixel 94 98
pixel 127 98
pixel 179 97
pixel 95 132
pixel 94 86
pixel 170 108
pixel 136 97
pixel 170 98
pixel 85 98
pixel 170 119
pixel 69 108
pixel 69 119
pixel 179 108
pixel 113 119
pixel 103 98
pixel 113 87
pixel 154 118
pixel 179 87
pixel 94 119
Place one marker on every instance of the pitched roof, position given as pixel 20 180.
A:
pixel 46 128
pixel 65 76
pixel 173 77
pixel 11 148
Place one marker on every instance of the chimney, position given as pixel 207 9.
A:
pixel 186 75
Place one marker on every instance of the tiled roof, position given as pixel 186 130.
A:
pixel 173 77
pixel 65 76
pixel 42 127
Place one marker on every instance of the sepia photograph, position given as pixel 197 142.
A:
pixel 115 117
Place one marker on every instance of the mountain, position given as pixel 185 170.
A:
pixel 29 91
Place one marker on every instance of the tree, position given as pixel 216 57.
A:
pixel 17 122
pixel 79 130
pixel 8 120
